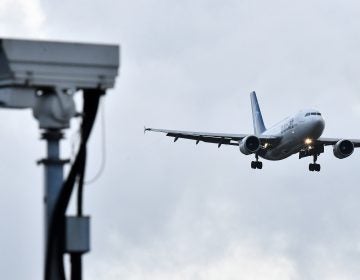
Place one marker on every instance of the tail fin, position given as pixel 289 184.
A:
pixel 258 122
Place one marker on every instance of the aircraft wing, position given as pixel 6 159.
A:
pixel 216 138
pixel 332 141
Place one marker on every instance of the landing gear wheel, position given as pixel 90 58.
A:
pixel 256 164
pixel 311 167
pixel 253 164
pixel 314 166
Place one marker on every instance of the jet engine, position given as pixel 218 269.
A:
pixel 249 145
pixel 343 148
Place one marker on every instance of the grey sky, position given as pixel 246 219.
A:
pixel 179 211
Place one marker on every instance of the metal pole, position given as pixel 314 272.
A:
pixel 53 182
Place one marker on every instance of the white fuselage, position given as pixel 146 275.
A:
pixel 306 124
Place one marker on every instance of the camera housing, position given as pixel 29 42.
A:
pixel 46 64
pixel 44 75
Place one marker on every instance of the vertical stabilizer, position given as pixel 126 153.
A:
pixel 258 122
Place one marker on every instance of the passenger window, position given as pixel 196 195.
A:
pixel 307 114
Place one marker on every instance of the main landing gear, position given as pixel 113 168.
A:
pixel 314 166
pixel 256 164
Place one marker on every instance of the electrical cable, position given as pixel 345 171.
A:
pixel 77 171
pixel 76 266
pixel 103 146
pixel 81 187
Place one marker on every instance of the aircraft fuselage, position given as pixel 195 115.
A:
pixel 306 125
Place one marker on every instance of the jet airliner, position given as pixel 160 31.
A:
pixel 300 133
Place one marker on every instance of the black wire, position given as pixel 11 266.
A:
pixel 76 261
pixel 76 266
pixel 56 227
pixel 81 177
pixel 103 147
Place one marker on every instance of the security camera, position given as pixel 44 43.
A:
pixel 45 64
pixel 32 71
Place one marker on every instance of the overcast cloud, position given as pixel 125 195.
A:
pixel 180 211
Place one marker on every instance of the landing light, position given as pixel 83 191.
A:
pixel 266 145
pixel 308 141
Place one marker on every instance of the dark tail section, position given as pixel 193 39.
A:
pixel 258 122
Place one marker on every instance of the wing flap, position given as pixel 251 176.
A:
pixel 204 138
pixel 216 138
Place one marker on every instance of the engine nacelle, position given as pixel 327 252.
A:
pixel 249 145
pixel 343 148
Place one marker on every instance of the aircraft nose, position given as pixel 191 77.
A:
pixel 320 124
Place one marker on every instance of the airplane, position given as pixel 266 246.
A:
pixel 299 133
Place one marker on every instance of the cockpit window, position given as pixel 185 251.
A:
pixel 312 114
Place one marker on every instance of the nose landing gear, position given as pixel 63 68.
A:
pixel 314 166
pixel 256 164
